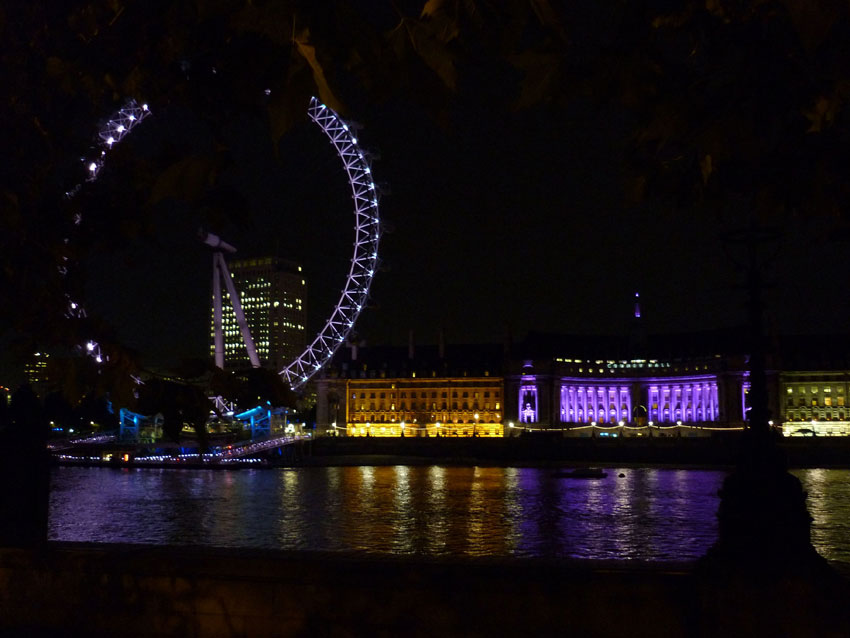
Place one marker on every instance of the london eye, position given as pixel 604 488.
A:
pixel 367 226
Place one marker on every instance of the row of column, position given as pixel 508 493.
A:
pixel 602 403
pixel 695 401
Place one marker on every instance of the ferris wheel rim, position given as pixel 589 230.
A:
pixel 364 262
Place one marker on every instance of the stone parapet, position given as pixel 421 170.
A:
pixel 108 590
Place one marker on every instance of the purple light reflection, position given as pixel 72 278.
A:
pixel 649 514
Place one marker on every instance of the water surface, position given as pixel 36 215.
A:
pixel 649 514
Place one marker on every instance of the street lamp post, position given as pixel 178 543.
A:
pixel 762 519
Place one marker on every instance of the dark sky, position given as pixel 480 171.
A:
pixel 496 220
pixel 512 221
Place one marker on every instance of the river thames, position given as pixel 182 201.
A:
pixel 645 514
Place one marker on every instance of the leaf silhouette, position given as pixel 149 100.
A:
pixel 308 52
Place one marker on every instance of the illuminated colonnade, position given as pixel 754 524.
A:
pixel 687 401
pixel 660 399
pixel 583 402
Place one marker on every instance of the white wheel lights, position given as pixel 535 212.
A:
pixel 364 262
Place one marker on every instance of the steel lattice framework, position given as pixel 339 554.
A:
pixel 367 226
pixel 364 263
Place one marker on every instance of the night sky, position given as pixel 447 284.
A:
pixel 498 223
pixel 497 220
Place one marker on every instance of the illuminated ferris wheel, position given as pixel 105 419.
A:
pixel 367 227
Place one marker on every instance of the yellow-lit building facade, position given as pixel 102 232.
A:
pixel 434 406
pixel 814 403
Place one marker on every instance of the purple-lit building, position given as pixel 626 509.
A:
pixel 563 382
pixel 681 385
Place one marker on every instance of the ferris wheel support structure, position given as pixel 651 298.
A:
pixel 222 273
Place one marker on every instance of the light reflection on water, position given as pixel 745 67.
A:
pixel 435 527
pixel 648 514
pixel 829 505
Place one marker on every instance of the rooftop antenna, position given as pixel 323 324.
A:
pixel 221 272
pixel 637 332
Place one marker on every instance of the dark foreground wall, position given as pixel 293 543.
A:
pixel 142 591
